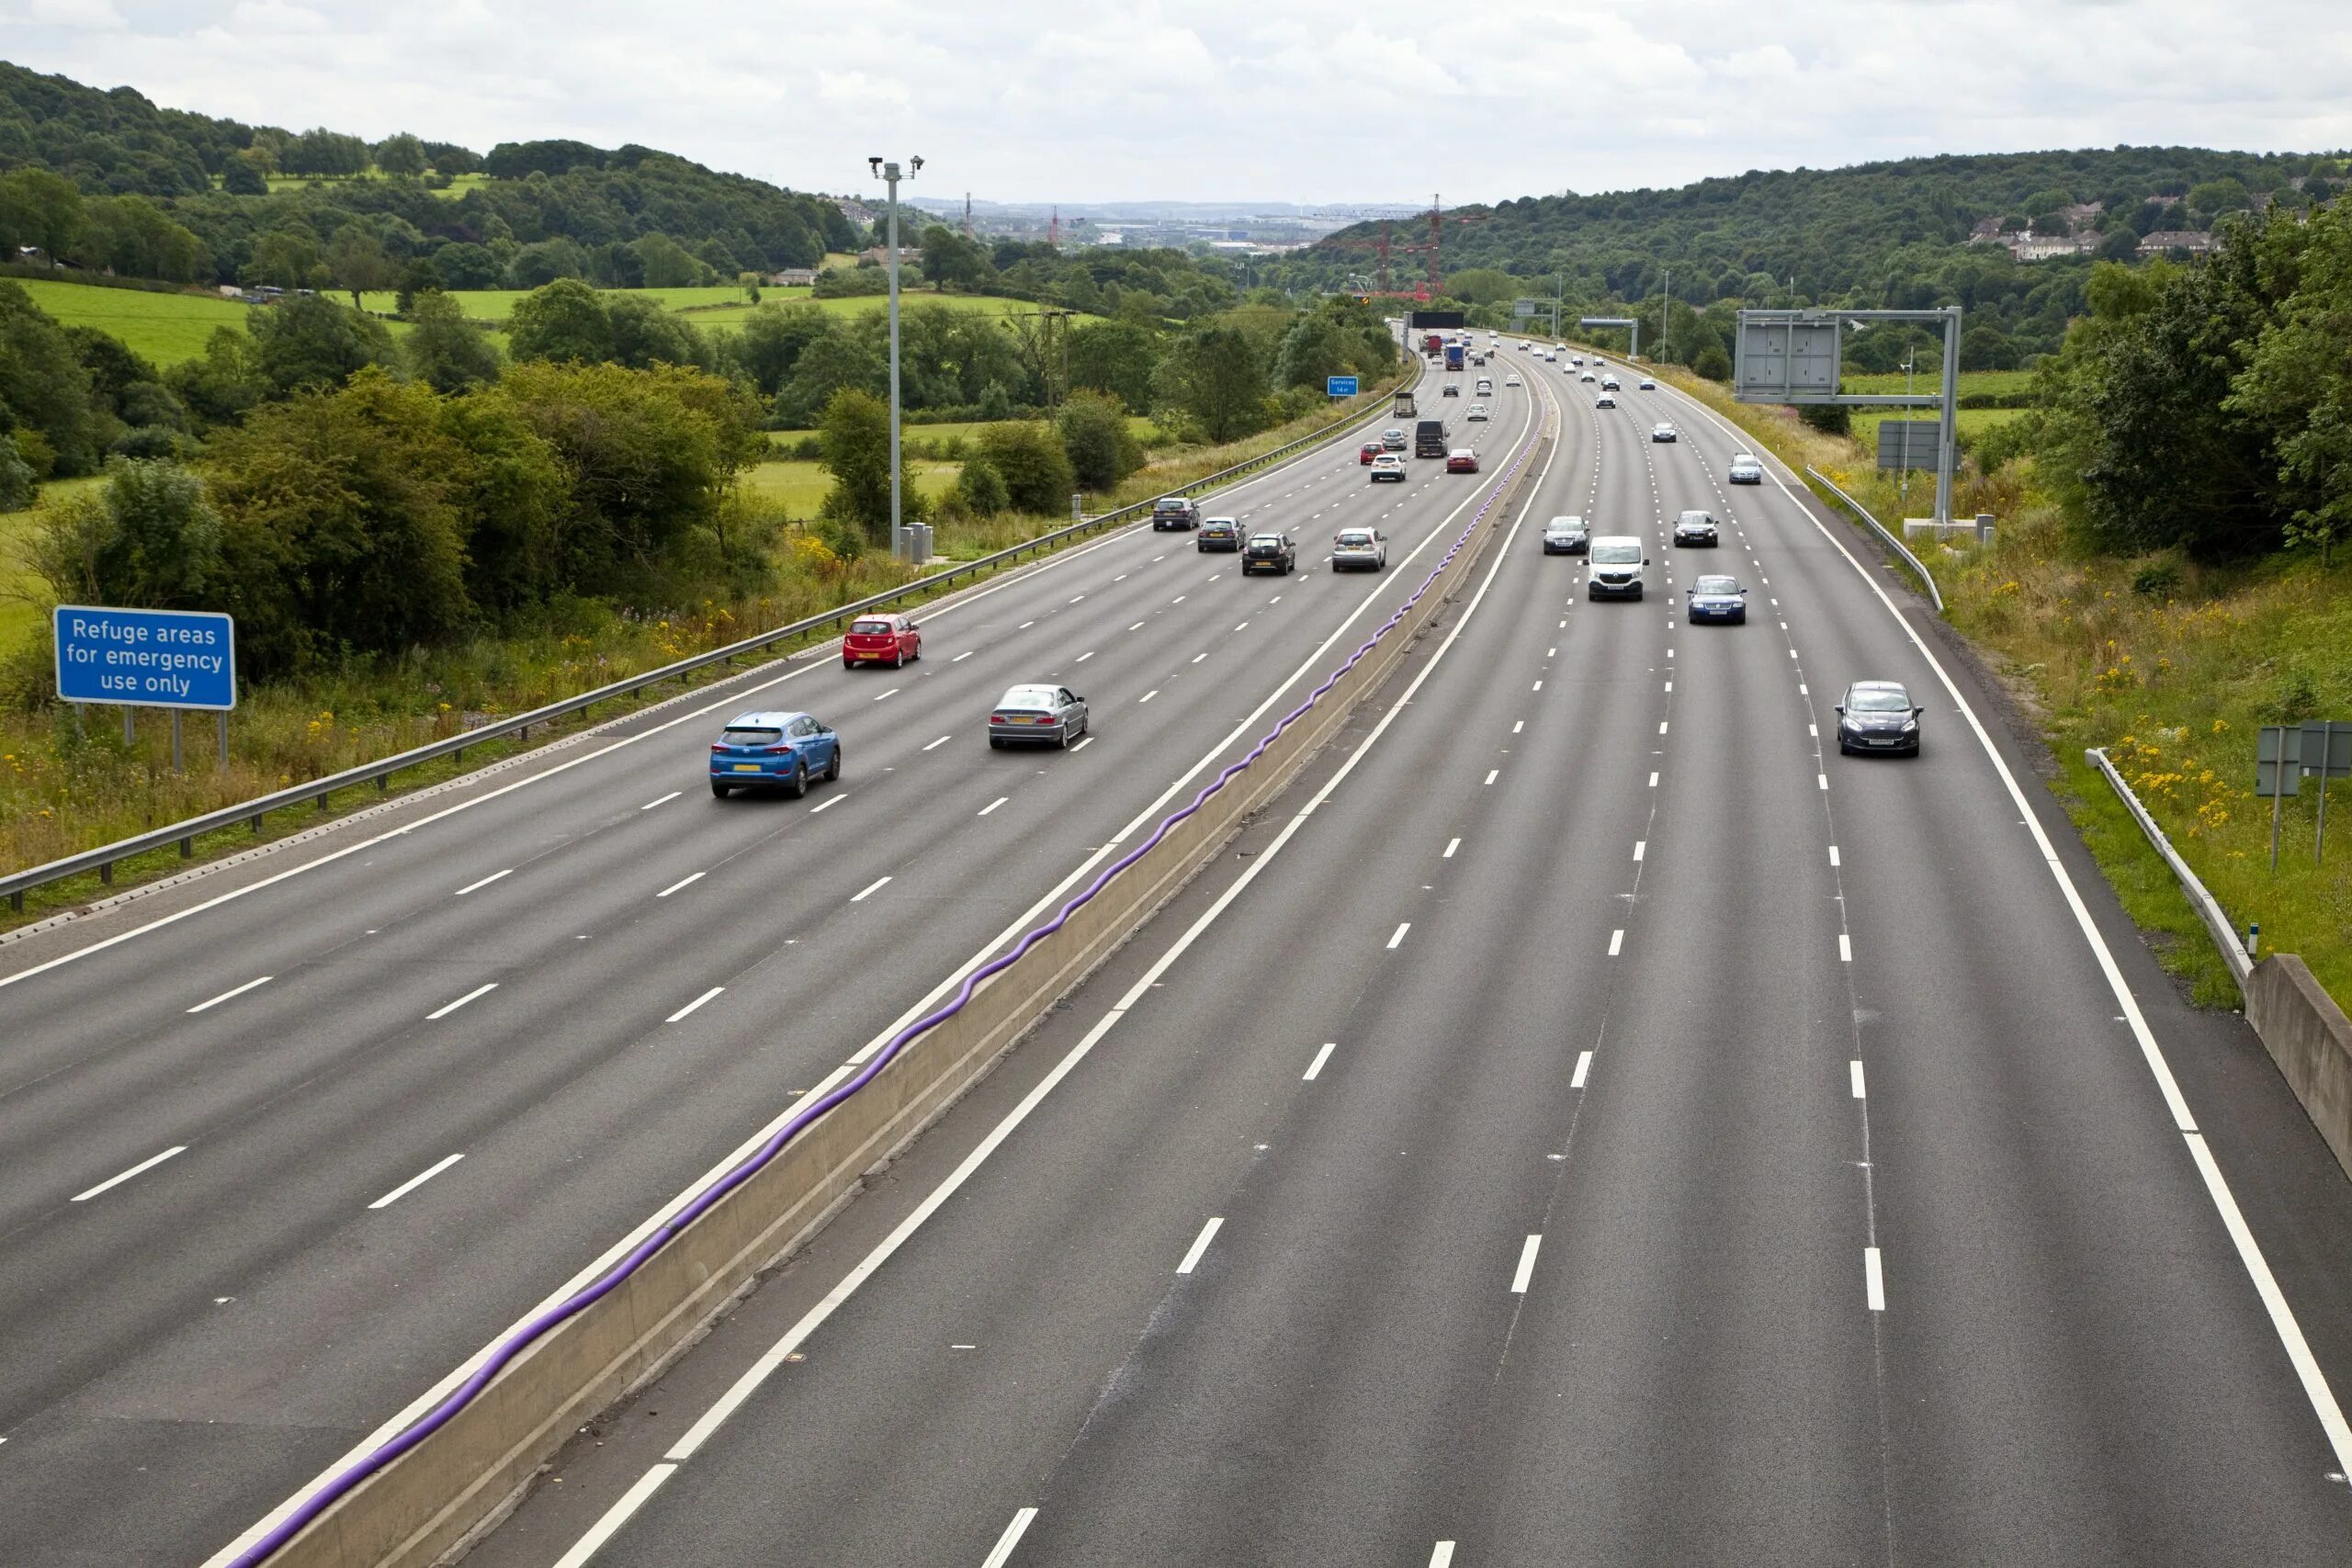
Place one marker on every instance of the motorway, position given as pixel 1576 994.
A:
pixel 1581 1121
pixel 1585 1120
pixel 286 1144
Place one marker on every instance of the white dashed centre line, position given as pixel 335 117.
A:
pixel 413 1182
pixel 1640 845
pixel 1442 1556
pixel 1526 1265
pixel 1083 742
pixel 935 745
pixel 1833 854
pixel 663 801
pixel 1653 781
pixel 1584 1067
pixel 1822 778
pixel 1201 1244
pixel 1518 727
pixel 1616 942
pixel 1450 845
pixel 1873 1279
pixel 485 882
pixel 1316 1066
pixel 1149 695
pixel 886 696
pixel 1539 686
pixel 1492 773
pixel 1136 627
pixel 1198 657
pixel 470 995
pixel 690 1007
pixel 688 881
pixel 963 656
pixel 826 804
pixel 1399 936
pixel 992 805
pixel 141 1167
pixel 1854 1072
pixel 869 890
pixel 1844 948
pixel 224 995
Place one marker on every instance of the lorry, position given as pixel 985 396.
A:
pixel 1453 356
pixel 1433 344
pixel 1428 438
pixel 1404 408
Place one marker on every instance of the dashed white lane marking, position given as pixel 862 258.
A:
pixel 237 991
pixel 691 1006
pixel 1198 657
pixel 1669 685
pixel 1493 773
pixel 938 743
pixel 826 804
pixel 1844 948
pixel 1653 781
pixel 687 881
pixel 1639 846
pixel 869 890
pixel 1520 725
pixel 1400 934
pixel 1242 627
pixel 1024 625
pixel 1441 1556
pixel 1854 1072
pixel 886 697
pixel 1084 656
pixel 1316 1066
pixel 663 801
pixel 1179 599
pixel 1002 1554
pixel 1526 1265
pixel 1833 854
pixel 1539 685
pixel 963 656
pixel 1661 726
pixel 470 995
pixel 609 1526
pixel 1136 627
pixel 1616 942
pixel 1201 1244
pixel 992 805
pixel 143 1166
pixel 1583 1065
pixel 1083 742
pixel 413 1182
pixel 1873 1279
pixel 1823 779
pixel 1081 596
pixel 1450 845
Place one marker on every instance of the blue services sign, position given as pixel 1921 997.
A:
pixel 1340 386
pixel 159 659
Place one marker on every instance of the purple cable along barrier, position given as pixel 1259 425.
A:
pixel 523 1337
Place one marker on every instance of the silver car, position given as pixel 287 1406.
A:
pixel 1365 549
pixel 1744 469
pixel 1477 410
pixel 1696 528
pixel 1054 714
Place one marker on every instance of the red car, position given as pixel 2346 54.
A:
pixel 881 639
pixel 1462 460
pixel 1370 450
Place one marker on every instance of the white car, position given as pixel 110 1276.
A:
pixel 1587 376
pixel 1511 381
pixel 1664 432
pixel 1478 412
pixel 1605 401
pixel 1609 383
pixel 1744 469
pixel 1388 465
pixel 1363 549
pixel 1613 566
pixel 1648 385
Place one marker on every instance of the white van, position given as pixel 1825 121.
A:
pixel 1613 567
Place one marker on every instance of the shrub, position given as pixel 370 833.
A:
pixel 979 489
pixel 2158 580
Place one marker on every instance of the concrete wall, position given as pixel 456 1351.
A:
pixel 2309 1037
pixel 418 1508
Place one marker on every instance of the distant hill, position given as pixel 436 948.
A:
pixel 590 205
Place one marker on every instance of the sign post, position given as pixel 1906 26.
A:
pixel 178 660
pixel 1340 386
pixel 1628 322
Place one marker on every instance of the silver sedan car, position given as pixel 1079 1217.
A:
pixel 1360 549
pixel 1053 714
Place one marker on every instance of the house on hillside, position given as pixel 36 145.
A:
pixel 793 278
pixel 855 211
pixel 879 255
pixel 2165 242
pixel 2031 247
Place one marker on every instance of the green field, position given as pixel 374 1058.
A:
pixel 1972 422
pixel 18 615
pixel 164 328
pixel 719 306
pixel 801 486
pixel 1999 382
pixel 1145 431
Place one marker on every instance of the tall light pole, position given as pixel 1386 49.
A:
pixel 889 172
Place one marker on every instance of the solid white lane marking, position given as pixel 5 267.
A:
pixel 1002 1554
pixel 1639 846
pixel 992 805
pixel 1399 935
pixel 663 801
pixel 869 890
pixel 1492 773
pixel 485 882
pixel 1854 1071
pixel 1450 845
pixel 1844 948
pixel 1833 854
pixel 688 881
pixel 1616 942
pixel 604 1529
pixel 963 656
pixel 1316 1066
pixel 1526 1265
pixel 691 1006
pixel 935 745
pixel 1873 1279
pixel 224 995
pixel 826 804
pixel 145 1165
pixel 884 697
pixel 1201 1244
pixel 1583 1065
pixel 452 1006
pixel 413 1182
pixel 1149 695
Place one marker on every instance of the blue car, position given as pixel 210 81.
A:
pixel 779 749
pixel 1718 599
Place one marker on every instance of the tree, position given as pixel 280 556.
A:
pixel 2297 384
pixel 979 489
pixel 307 342
pixel 1712 363
pixel 565 319
pixel 949 257
pixel 285 258
pixel 403 154
pixel 1117 357
pixel 1212 377
pixel 464 264
pixel 646 333
pixel 536 266
pixel 17 486
pixel 855 427
pixel 218 386
pixel 2210 198
pixel 45 391
pixel 771 339
pixel 162 548
pixel 418 275
pixel 242 176
pixel 1035 471
pixel 442 349
pixel 836 361
pixel 1094 433
pixel 515 492
pixel 132 235
pixel 360 264
pixel 667 263
pixel 40 208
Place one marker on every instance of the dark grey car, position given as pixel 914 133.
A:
pixel 1878 716
pixel 1053 714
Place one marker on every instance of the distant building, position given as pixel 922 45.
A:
pixel 1111 237
pixel 879 255
pixel 2030 246
pixel 854 210
pixel 2165 240
pixel 793 278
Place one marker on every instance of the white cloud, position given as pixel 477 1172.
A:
pixel 1298 99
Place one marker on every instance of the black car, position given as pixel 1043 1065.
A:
pixel 1696 528
pixel 1878 716
pixel 1268 552
pixel 1175 512
pixel 1449 390
pixel 1217 534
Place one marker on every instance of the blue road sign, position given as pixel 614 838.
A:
pixel 153 659
pixel 1340 386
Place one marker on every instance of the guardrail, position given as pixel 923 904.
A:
pixel 2200 899
pixel 379 773
pixel 1898 546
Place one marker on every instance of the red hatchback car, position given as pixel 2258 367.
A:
pixel 881 639
pixel 1370 450
pixel 1462 460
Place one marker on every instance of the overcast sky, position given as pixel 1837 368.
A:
pixel 1309 100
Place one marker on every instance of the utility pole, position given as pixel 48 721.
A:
pixel 1665 311
pixel 889 172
